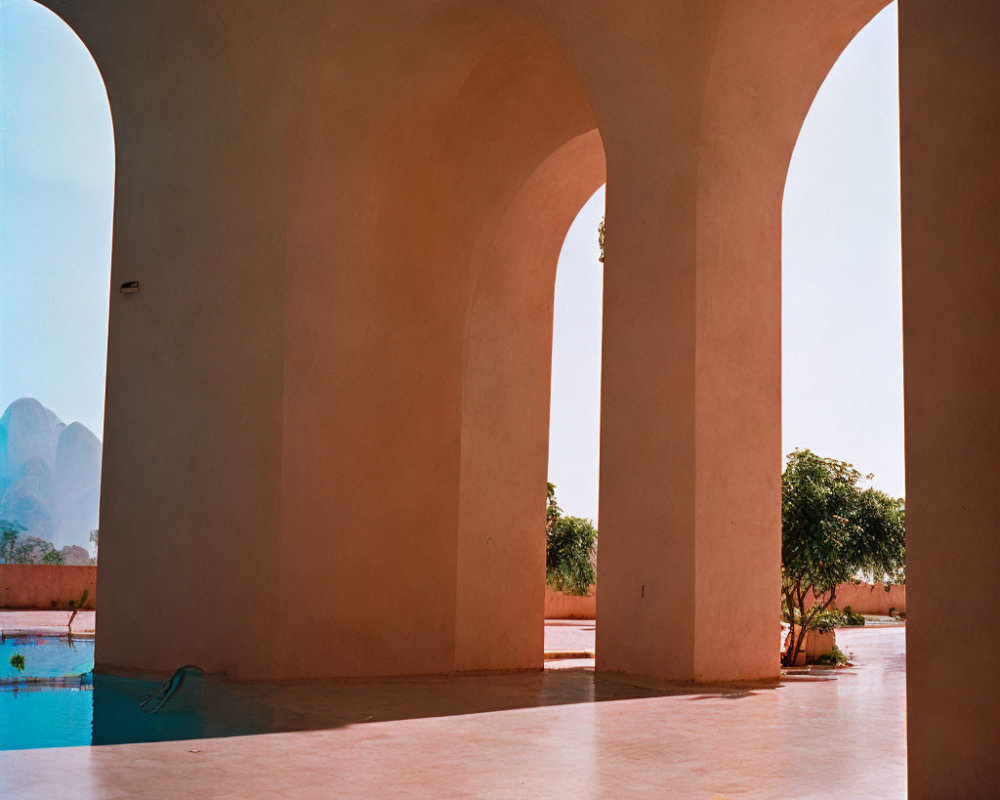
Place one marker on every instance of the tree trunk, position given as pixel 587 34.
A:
pixel 795 645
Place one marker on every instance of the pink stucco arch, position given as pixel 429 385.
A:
pixel 351 223
pixel 505 411
pixel 310 198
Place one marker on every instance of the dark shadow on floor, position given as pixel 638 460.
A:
pixel 212 707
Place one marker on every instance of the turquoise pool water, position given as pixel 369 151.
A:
pixel 50 700
pixel 45 657
pixel 58 701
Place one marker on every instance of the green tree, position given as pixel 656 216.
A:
pixel 9 531
pixel 570 546
pixel 832 531
pixel 552 510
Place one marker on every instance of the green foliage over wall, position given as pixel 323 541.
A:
pixel 570 550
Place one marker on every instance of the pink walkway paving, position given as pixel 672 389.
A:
pixel 46 621
pixel 569 634
pixel 546 734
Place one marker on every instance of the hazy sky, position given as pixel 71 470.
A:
pixel 575 415
pixel 56 186
pixel 842 343
pixel 842 335
pixel 842 382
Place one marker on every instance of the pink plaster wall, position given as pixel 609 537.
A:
pixel 867 598
pixel 567 606
pixel 46 586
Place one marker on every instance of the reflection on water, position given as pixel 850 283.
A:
pixel 58 701
pixel 48 701
pixel 45 657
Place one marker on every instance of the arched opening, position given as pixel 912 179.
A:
pixel 57 168
pixel 420 435
pixel 842 345
pixel 505 430
pixel 574 439
pixel 575 418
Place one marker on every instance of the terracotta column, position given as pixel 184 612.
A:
pixel 691 411
pixel 950 119
pixel 689 454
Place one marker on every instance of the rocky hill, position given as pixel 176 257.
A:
pixel 50 474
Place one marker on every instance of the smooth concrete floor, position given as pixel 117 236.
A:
pixel 561 733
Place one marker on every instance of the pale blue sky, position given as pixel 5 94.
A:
pixel 842 341
pixel 842 334
pixel 842 381
pixel 56 187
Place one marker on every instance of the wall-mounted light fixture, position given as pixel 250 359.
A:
pixel 130 287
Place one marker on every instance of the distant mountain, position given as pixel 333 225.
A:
pixel 50 474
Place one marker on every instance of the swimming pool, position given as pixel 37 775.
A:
pixel 57 700
pixel 45 657
pixel 46 696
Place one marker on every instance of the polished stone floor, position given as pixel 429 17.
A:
pixel 558 733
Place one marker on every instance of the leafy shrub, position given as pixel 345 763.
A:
pixel 570 544
pixel 826 620
pixel 835 658
pixel 835 618
pixel 852 617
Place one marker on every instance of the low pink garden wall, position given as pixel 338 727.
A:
pixel 46 586
pixel 567 606
pixel 867 598
pixel 864 598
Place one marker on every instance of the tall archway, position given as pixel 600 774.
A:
pixel 474 189
pixel 57 169
pixel 505 422
pixel 575 417
pixel 842 370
